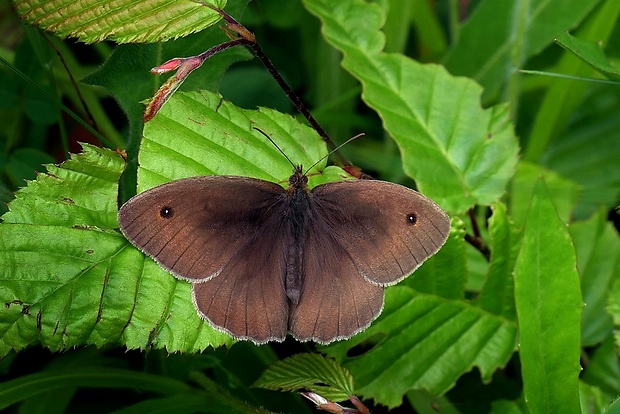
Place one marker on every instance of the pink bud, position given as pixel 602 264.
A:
pixel 172 64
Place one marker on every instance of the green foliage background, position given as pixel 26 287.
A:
pixel 89 323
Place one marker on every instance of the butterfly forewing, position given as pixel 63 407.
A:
pixel 386 229
pixel 195 226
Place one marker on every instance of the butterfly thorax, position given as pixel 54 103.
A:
pixel 296 221
pixel 298 179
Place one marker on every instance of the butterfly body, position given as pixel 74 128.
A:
pixel 264 260
pixel 296 217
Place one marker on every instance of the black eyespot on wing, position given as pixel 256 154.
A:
pixel 412 219
pixel 166 212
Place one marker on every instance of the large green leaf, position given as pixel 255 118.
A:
pixel 69 280
pixel 423 341
pixel 459 153
pixel 119 20
pixel 549 307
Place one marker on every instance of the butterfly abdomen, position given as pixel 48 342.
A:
pixel 297 219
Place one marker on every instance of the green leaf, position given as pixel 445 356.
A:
pixel 497 296
pixel 311 372
pixel 122 20
pixel 429 27
pixel 58 400
pixel 211 403
pixel 425 403
pixel 598 257
pixel 549 307
pixel 563 192
pixel 198 133
pixel 422 341
pixel 445 274
pixel 613 306
pixel 69 280
pixel 33 61
pixel 459 153
pixel 590 53
pixel 80 192
pixel 603 370
pixel 592 399
pixel 58 289
pixel 24 163
pixel 499 37
pixel 587 155
pixel 129 64
pixel 175 404
pixel 508 407
pixel 31 385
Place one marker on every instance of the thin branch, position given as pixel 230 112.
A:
pixel 236 27
pixel 73 82
pixel 476 240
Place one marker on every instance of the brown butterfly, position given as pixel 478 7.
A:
pixel 264 260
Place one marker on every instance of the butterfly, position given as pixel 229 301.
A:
pixel 265 261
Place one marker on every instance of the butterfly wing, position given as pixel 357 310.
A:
pixel 386 229
pixel 194 226
pixel 248 299
pixel 223 232
pixel 335 302
pixel 365 234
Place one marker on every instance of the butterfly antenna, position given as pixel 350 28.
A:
pixel 361 134
pixel 276 145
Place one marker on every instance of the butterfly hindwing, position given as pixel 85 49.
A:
pixel 247 299
pixel 336 302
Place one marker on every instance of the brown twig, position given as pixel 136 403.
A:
pixel 237 28
pixel 476 240
pixel 183 66
pixel 85 108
